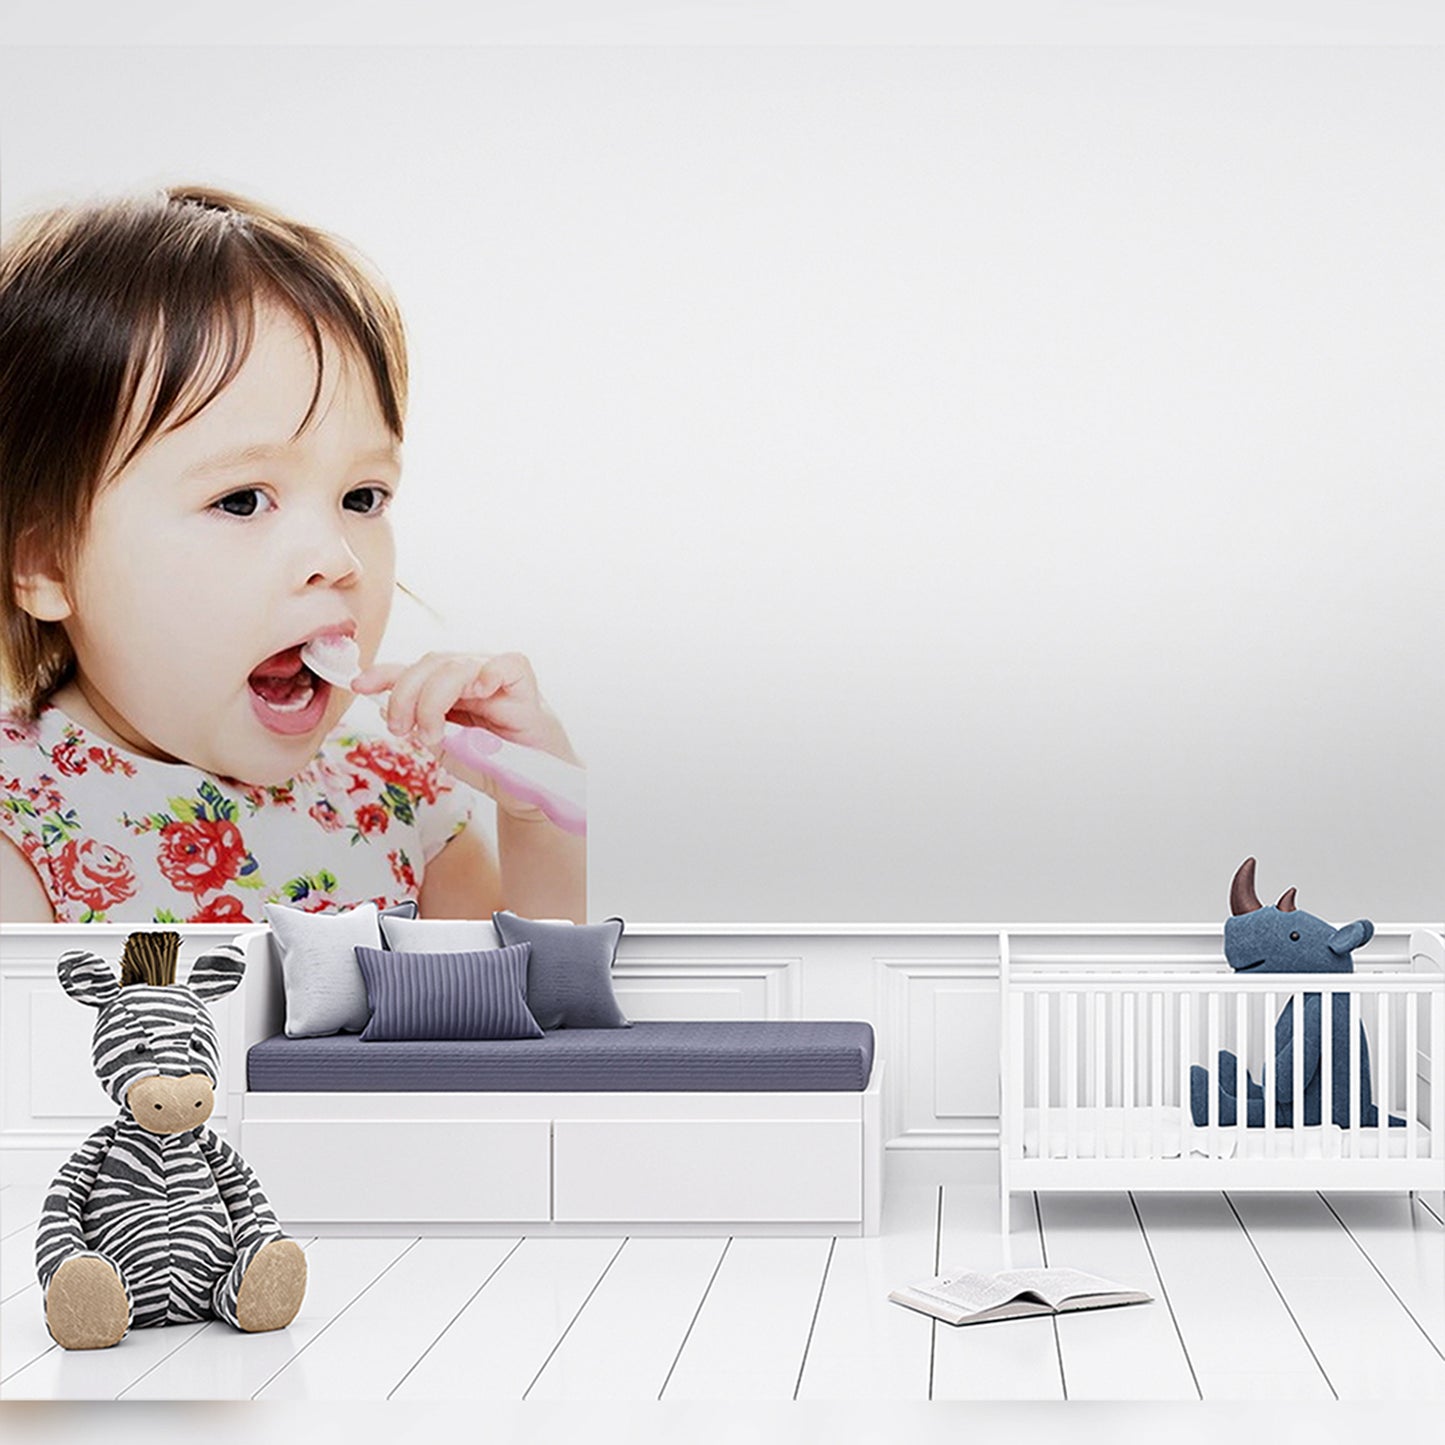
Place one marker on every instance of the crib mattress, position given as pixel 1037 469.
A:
pixel 692 1056
pixel 1170 1133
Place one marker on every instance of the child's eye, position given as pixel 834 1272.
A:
pixel 367 500
pixel 244 503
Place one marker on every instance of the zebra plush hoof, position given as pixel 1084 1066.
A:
pixel 272 1288
pixel 86 1306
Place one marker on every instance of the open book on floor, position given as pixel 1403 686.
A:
pixel 963 1298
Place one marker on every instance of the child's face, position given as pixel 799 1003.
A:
pixel 223 547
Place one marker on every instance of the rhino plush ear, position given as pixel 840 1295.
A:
pixel 213 975
pixel 87 978
pixel 1351 936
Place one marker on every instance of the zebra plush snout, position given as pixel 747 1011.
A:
pixel 167 1105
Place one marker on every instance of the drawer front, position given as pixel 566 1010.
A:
pixel 680 1171
pixel 349 1171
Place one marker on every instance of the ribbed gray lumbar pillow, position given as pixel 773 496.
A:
pixel 480 995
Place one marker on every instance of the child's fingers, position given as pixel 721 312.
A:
pixel 439 693
pixel 378 677
pixel 422 693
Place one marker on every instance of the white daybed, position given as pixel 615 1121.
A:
pixel 644 1162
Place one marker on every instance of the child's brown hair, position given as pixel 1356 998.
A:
pixel 122 319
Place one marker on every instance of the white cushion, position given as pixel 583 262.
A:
pixel 440 935
pixel 325 992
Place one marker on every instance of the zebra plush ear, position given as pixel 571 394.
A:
pixel 87 979
pixel 213 975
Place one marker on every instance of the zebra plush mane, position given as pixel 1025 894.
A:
pixel 150 958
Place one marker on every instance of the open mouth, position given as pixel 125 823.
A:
pixel 286 696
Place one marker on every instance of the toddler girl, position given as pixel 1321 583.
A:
pixel 201 413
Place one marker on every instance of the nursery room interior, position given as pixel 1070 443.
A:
pixel 915 880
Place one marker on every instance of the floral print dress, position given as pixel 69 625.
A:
pixel 116 837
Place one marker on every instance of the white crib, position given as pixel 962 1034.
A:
pixel 1095 1074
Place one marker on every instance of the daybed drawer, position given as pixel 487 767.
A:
pixel 388 1170
pixel 686 1171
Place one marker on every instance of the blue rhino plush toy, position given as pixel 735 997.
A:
pixel 1284 939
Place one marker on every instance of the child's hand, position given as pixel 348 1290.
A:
pixel 498 693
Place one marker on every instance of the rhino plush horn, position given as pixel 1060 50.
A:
pixel 1286 901
pixel 1242 897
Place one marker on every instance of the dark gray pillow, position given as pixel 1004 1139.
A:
pixel 569 978
pixel 397 910
pixel 481 995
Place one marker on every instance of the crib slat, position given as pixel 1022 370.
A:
pixel 1211 1052
pixel 1071 1075
pixel 1186 1052
pixel 1116 1015
pixel 1131 1069
pixel 1156 1076
pixel 1042 1071
pixel 1297 1053
pixel 1270 1076
pixel 1352 1033
pixel 1382 1074
pixel 1437 1074
pixel 1412 1071
pixel 1241 1039
pixel 1096 1041
pixel 1329 1137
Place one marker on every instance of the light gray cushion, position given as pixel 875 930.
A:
pixel 569 978
pixel 439 935
pixel 325 992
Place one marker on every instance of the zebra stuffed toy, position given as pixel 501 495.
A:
pixel 154 1220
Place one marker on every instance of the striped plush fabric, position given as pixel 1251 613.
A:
pixel 162 1221
pixel 480 995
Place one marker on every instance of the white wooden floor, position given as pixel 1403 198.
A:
pixel 1298 1297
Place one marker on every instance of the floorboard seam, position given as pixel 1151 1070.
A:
pixel 596 1285
pixel 937 1256
pixel 813 1323
pixel 1054 1321
pixel 1426 1206
pixel 337 1316
pixel 693 1321
pixel 491 1275
pixel 1269 1274
pixel 1164 1290
pixel 1383 1280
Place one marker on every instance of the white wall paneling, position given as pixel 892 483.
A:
pixel 929 990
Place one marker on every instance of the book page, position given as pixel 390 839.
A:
pixel 971 1292
pixel 1056 1285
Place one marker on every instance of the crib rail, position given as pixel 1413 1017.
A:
pixel 1102 1077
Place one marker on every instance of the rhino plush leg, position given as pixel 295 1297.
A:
pixel 264 1288
pixel 1199 1091
pixel 87 1304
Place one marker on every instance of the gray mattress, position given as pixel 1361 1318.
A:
pixel 655 1057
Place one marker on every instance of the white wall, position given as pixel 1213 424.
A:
pixel 945 483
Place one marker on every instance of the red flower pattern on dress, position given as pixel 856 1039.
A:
pixel 17 734
pixel 69 760
pixel 393 766
pixel 225 909
pixel 96 875
pixel 402 871
pixel 372 818
pixel 201 856
pixel 110 761
pixel 325 813
pixel 208 855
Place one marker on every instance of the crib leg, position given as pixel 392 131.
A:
pixel 1004 1211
